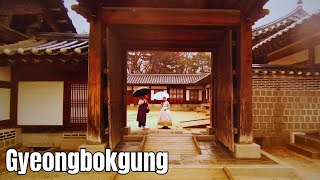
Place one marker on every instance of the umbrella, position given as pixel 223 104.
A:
pixel 141 91
pixel 161 95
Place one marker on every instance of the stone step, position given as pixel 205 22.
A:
pixel 173 144
pixel 305 150
pixel 179 173
pixel 201 123
pixel 309 141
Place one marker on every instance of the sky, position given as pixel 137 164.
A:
pixel 278 8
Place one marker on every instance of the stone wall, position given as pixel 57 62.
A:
pixel 282 104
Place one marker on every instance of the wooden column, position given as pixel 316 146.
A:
pixel 95 125
pixel 115 87
pixel 14 98
pixel 244 84
pixel 124 86
pixel 223 93
pixel 211 89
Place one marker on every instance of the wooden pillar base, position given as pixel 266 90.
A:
pixel 127 130
pixel 247 151
pixel 209 130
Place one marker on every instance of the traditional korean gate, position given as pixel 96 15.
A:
pixel 223 93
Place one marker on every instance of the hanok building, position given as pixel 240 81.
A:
pixel 286 98
pixel 184 89
pixel 61 79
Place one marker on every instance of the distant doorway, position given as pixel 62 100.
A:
pixel 185 76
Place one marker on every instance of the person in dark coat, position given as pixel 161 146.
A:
pixel 142 112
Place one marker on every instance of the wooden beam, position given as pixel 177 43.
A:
pixel 170 16
pixel 168 44
pixel 5 20
pixel 296 46
pixel 299 57
pixel 95 125
pixel 62 21
pixel 9 35
pixel 51 21
pixel 244 84
pixel 21 11
pixel 141 33
pixel 55 9
pixel 187 46
pixel 198 4
pixel 5 84
pixel 171 49
pixel 18 7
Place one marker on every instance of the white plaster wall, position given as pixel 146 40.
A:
pixel 187 95
pixel 200 95
pixel 5 73
pixel 4 104
pixel 207 93
pixel 152 95
pixel 40 103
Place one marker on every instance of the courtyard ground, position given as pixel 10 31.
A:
pixel 152 117
pixel 205 166
pixel 306 168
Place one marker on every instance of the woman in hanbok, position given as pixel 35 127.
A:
pixel 142 112
pixel 165 118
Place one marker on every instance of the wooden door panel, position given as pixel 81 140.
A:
pixel 223 109
pixel 115 85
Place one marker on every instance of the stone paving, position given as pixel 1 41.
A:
pixel 183 152
pixel 127 147
pixel 184 161
pixel 174 144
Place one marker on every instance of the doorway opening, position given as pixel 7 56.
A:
pixel 185 76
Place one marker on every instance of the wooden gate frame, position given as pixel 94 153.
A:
pixel 102 17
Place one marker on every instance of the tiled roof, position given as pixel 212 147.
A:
pixel 164 78
pixel 285 30
pixel 265 70
pixel 201 79
pixel 280 23
pixel 50 44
